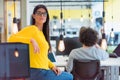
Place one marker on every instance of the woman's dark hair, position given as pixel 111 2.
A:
pixel 88 37
pixel 45 25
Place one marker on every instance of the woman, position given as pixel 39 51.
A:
pixel 37 36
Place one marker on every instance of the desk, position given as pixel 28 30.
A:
pixel 110 66
pixel 111 62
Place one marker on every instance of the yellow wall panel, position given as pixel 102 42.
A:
pixel 74 14
pixel 112 9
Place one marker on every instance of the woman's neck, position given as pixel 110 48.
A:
pixel 40 26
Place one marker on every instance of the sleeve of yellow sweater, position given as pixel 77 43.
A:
pixel 51 65
pixel 16 38
pixel 23 36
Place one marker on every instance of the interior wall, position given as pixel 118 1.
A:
pixel 2 32
pixel 112 16
pixel 11 12
pixel 1 8
pixel 23 13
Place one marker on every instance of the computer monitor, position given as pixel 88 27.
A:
pixel 110 49
pixel 117 50
pixel 14 65
pixel 70 43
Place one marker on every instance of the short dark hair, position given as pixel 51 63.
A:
pixel 81 30
pixel 88 37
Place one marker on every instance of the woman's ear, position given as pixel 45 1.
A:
pixel 33 15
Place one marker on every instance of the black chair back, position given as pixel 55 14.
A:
pixel 86 69
pixel 14 61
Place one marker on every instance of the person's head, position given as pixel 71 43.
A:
pixel 41 16
pixel 81 30
pixel 88 37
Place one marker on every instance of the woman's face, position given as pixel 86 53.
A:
pixel 40 16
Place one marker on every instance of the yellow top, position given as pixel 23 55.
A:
pixel 37 60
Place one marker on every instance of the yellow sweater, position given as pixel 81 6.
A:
pixel 37 60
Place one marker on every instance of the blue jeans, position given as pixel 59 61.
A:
pixel 41 74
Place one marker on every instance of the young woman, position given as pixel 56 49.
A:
pixel 37 36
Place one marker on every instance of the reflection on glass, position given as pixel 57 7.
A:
pixel 16 53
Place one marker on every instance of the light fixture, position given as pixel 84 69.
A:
pixel 61 45
pixel 89 15
pixel 15 27
pixel 55 22
pixel 81 19
pixel 112 35
pixel 103 41
pixel 103 44
pixel 69 18
pixel 55 26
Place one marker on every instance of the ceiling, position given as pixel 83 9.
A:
pixel 67 3
pixel 52 1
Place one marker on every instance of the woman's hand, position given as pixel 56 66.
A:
pixel 56 70
pixel 35 45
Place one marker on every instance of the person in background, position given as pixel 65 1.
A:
pixel 37 36
pixel 88 37
pixel 112 35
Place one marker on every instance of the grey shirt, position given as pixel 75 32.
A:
pixel 91 53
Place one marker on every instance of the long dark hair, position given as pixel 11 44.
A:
pixel 45 25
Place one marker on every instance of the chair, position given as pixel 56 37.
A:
pixel 14 61
pixel 86 69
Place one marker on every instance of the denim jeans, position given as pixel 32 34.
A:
pixel 42 74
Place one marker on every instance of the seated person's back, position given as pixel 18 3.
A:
pixel 90 49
